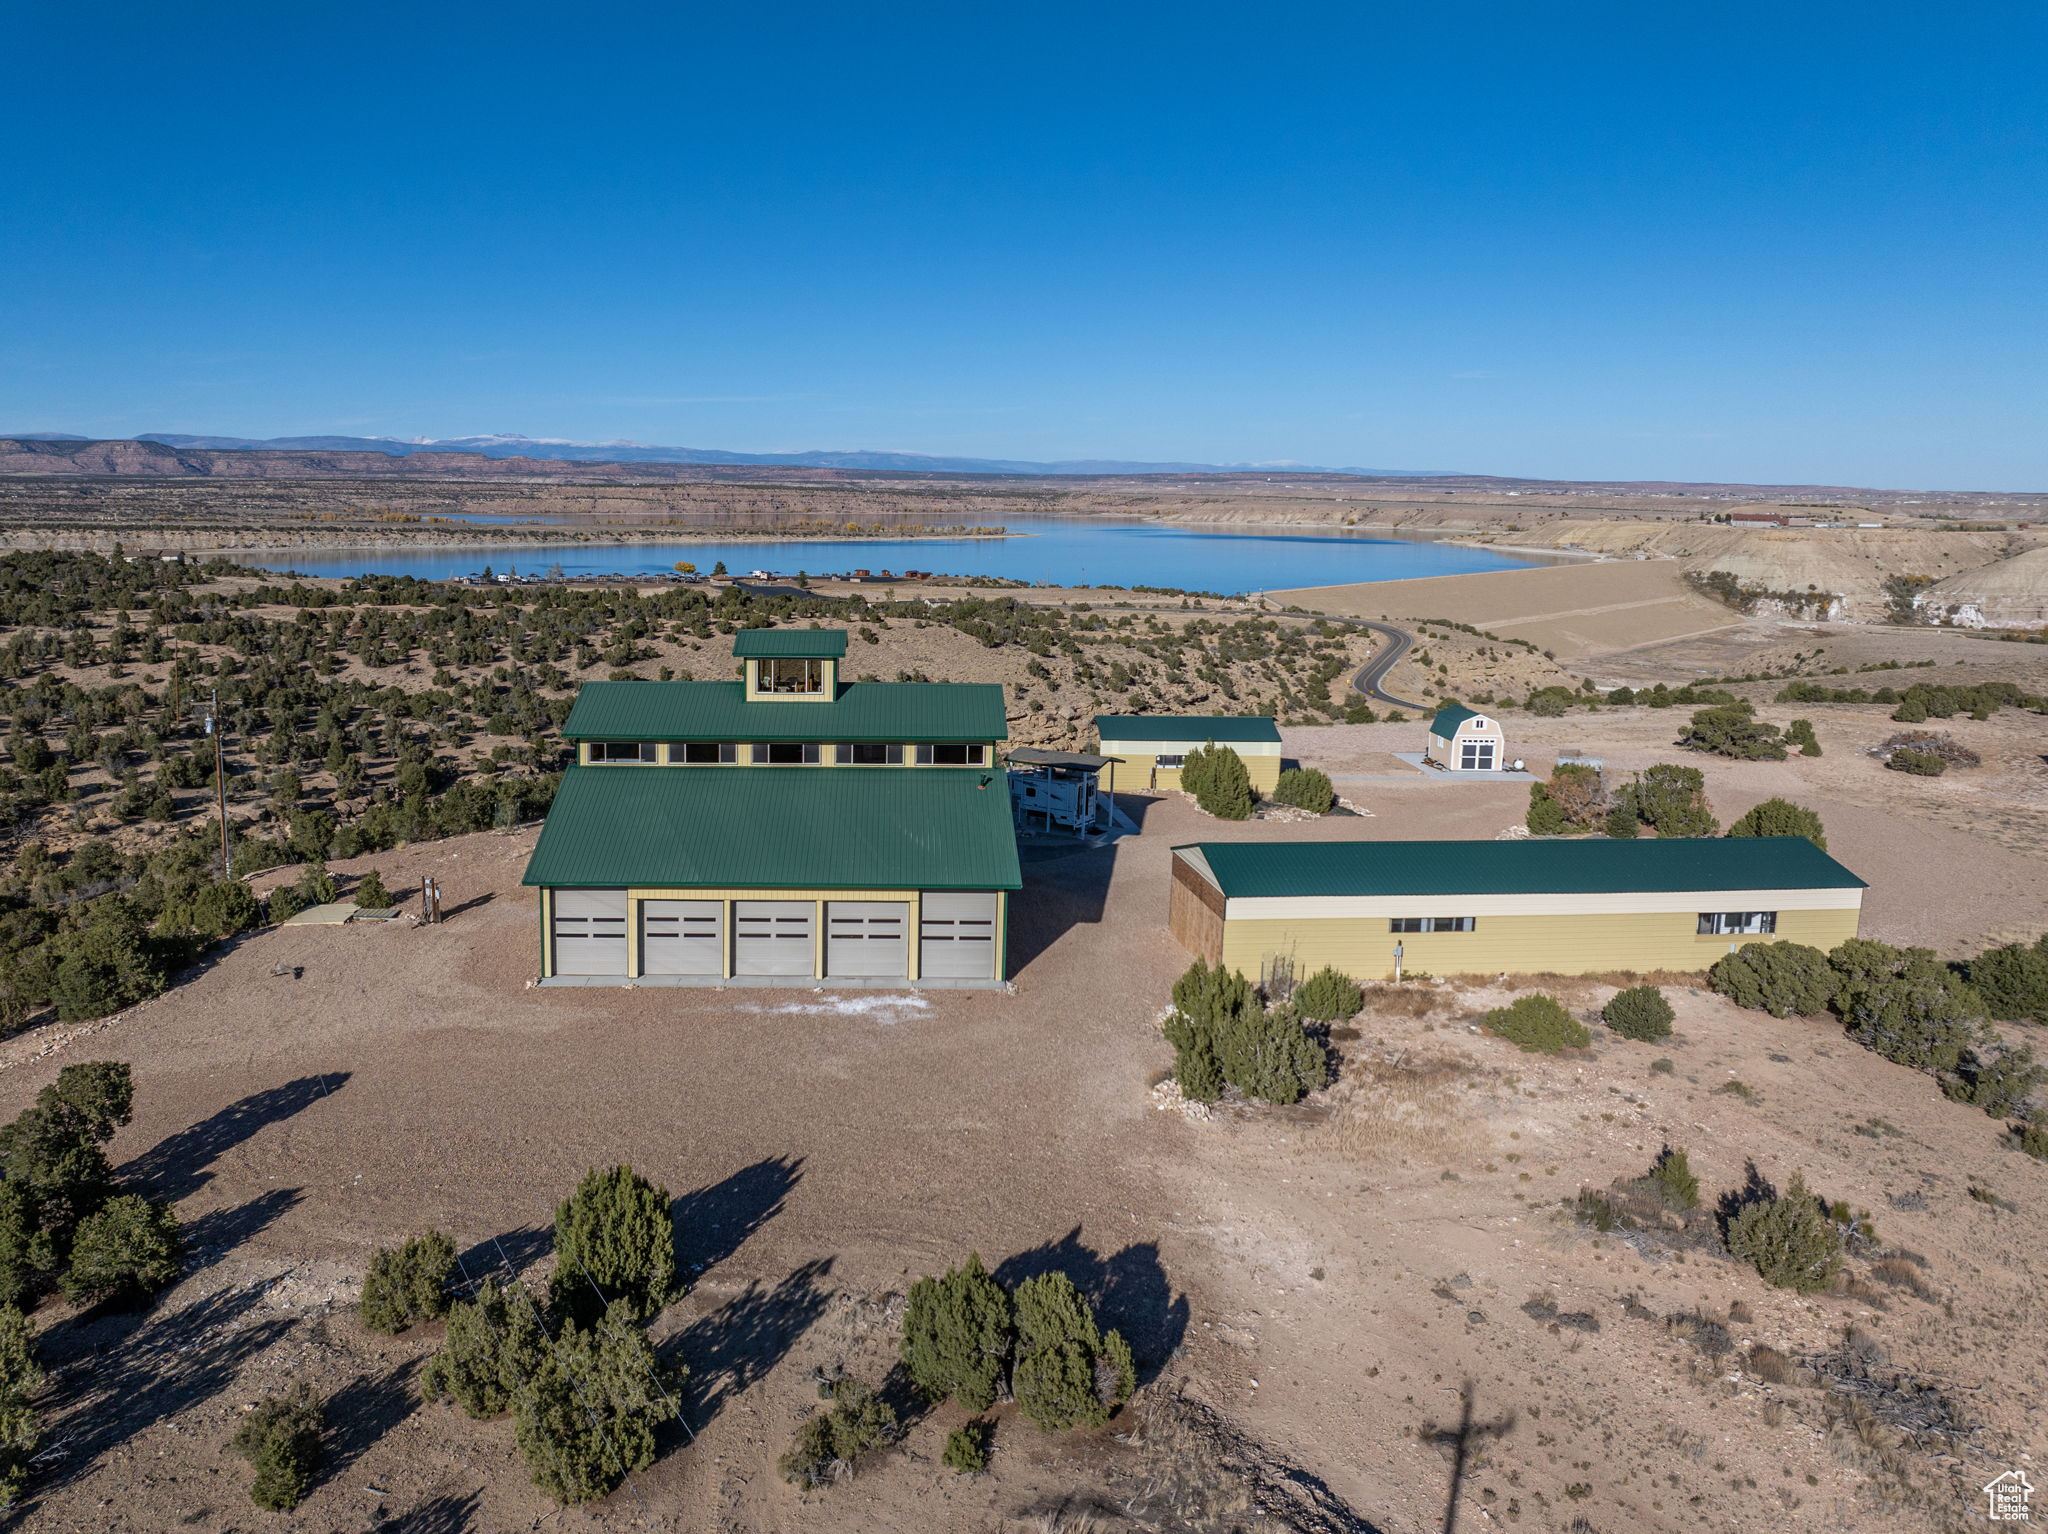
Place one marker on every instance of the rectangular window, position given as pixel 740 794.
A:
pixel 1475 756
pixel 1432 924
pixel 870 753
pixel 952 754
pixel 1717 923
pixel 789 676
pixel 622 750
pixel 1169 759
pixel 696 752
pixel 785 753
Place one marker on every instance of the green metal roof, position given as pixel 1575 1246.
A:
pixel 778 828
pixel 1448 718
pixel 1565 866
pixel 1217 727
pixel 791 644
pixel 900 711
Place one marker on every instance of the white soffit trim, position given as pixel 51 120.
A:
pixel 1183 747
pixel 1337 907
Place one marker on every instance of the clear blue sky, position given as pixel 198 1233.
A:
pixel 1801 242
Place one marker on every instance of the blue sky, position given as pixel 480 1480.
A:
pixel 1766 243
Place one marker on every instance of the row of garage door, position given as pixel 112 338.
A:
pixel 956 936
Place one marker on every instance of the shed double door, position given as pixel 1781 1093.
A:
pixel 682 937
pixel 773 937
pixel 590 932
pixel 867 937
pixel 957 937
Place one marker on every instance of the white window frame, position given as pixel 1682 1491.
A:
pixel 1738 924
pixel 1171 760
pixel 1432 923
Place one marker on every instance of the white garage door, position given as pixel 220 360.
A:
pixel 867 937
pixel 682 937
pixel 772 937
pixel 957 937
pixel 590 932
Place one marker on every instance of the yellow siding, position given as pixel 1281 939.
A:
pixel 1363 947
pixel 1136 773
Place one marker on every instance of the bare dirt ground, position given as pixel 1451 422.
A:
pixel 1570 610
pixel 1315 1294
pixel 1986 827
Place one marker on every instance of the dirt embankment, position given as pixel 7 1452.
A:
pixel 1571 611
pixel 1853 566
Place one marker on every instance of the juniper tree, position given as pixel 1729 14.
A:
pixel 1783 979
pixel 1267 1054
pixel 1538 1024
pixel 855 1425
pixel 2013 981
pixel 407 1284
pixel 21 1381
pixel 1788 1239
pixel 1672 801
pixel 493 1345
pixel 1069 1373
pixel 1305 788
pixel 1641 1013
pixel 1781 817
pixel 125 1251
pixel 1328 996
pixel 957 1336
pixel 585 1419
pixel 281 1438
pixel 616 1233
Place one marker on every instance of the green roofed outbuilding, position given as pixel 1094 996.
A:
pixel 1150 748
pixel 1568 905
pixel 1464 740
pixel 788 828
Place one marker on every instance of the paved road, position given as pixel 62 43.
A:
pixel 1374 671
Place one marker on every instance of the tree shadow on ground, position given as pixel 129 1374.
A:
pixel 740 1342
pixel 715 1221
pixel 363 1411
pixel 177 1165
pixel 450 1513
pixel 1756 1189
pixel 116 1374
pixel 211 1236
pixel 1128 1289
pixel 517 1250
pixel 1061 890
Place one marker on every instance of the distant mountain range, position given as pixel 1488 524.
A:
pixel 512 445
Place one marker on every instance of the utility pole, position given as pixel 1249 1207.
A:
pixel 220 782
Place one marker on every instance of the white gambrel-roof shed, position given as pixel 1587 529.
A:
pixel 1466 741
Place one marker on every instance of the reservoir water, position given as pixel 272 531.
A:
pixel 1053 552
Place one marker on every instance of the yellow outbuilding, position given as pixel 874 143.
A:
pixel 1149 748
pixel 1566 906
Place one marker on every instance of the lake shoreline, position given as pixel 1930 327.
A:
pixel 1130 552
